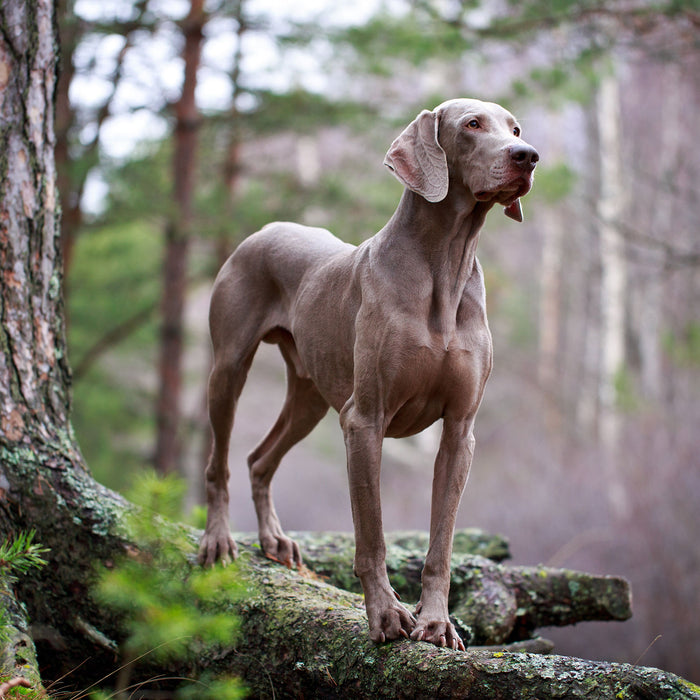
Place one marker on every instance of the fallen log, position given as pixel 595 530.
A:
pixel 303 637
pixel 492 603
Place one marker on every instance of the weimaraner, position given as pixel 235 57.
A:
pixel 391 333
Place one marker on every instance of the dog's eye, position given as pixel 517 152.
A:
pixel 473 124
pixel 516 130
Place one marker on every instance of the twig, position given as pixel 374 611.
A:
pixel 94 635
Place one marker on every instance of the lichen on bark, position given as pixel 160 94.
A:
pixel 17 652
pixel 492 603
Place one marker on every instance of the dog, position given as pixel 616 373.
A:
pixel 392 334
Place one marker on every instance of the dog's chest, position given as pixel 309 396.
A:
pixel 433 374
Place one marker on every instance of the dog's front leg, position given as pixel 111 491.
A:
pixel 451 470
pixel 388 619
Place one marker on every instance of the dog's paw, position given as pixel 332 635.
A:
pixel 217 545
pixel 281 549
pixel 438 632
pixel 393 621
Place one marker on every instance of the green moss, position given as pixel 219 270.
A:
pixel 691 686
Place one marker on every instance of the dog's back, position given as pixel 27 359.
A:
pixel 259 282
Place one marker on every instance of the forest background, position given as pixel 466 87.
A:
pixel 183 127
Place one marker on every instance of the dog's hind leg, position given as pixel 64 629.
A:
pixel 239 313
pixel 302 410
pixel 225 385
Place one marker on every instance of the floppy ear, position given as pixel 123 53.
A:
pixel 417 159
pixel 514 211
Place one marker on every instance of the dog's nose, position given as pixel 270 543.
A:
pixel 524 156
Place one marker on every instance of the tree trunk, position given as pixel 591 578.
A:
pixel 73 166
pixel 550 295
pixel 34 373
pixel 72 215
pixel 613 280
pixel 584 331
pixel 648 294
pixel 176 251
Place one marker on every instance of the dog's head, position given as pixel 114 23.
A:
pixel 465 143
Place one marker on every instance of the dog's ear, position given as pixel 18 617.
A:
pixel 514 211
pixel 417 159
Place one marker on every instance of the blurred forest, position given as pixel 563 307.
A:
pixel 184 126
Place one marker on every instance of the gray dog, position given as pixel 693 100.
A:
pixel 392 334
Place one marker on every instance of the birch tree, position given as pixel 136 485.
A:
pixel 610 208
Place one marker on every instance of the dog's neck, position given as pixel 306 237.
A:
pixel 432 249
pixel 438 229
pixel 440 237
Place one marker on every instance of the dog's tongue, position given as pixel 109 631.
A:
pixel 514 211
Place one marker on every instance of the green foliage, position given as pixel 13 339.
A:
pixel 552 9
pixel 114 287
pixel 18 556
pixel 164 603
pixel 205 688
pixel 626 396
pixel 566 78
pixel 412 38
pixel 113 420
pixel 216 689
pixel 684 348
pixel 556 182
pixel 300 111
pixel 198 517
pixel 517 310
pixel 157 495
pixel 141 187
pixel 115 273
pixel 173 609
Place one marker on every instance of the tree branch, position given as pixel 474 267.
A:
pixel 112 337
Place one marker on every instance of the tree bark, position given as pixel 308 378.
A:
pixel 17 652
pixel 34 373
pixel 70 189
pixel 648 293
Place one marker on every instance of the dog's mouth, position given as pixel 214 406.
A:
pixel 508 192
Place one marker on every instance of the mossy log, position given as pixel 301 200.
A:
pixel 303 637
pixel 492 603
